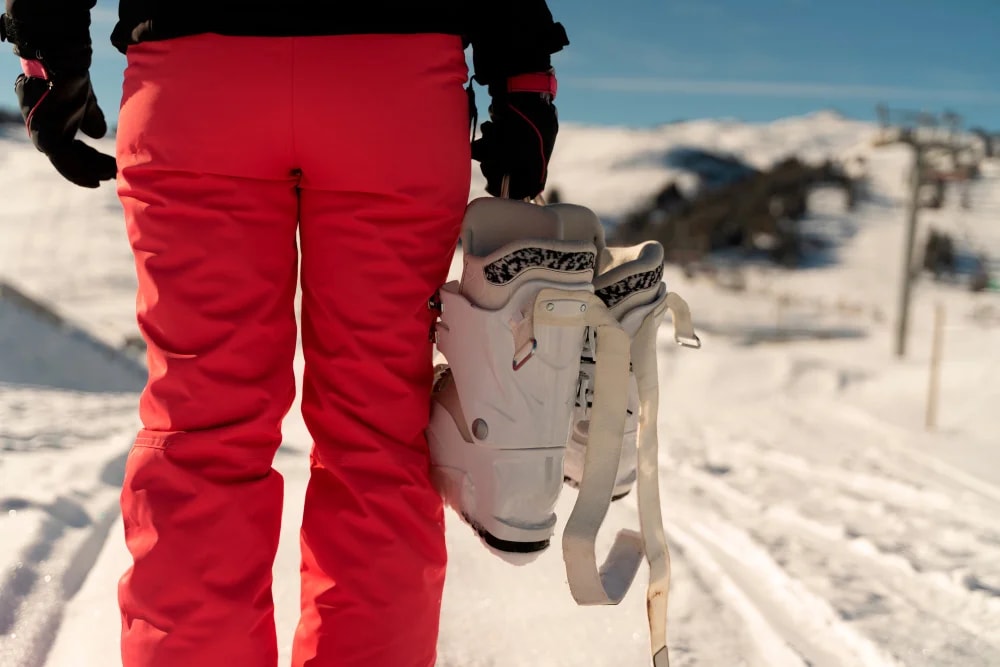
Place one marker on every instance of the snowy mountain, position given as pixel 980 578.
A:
pixel 811 517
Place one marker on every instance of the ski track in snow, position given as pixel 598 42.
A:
pixel 67 415
pixel 61 521
pixel 846 544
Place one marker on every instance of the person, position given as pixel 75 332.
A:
pixel 241 126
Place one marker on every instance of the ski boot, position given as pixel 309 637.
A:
pixel 511 330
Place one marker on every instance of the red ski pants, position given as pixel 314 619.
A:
pixel 227 148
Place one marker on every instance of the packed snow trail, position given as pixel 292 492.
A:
pixel 67 410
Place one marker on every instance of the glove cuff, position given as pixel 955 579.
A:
pixel 64 48
pixel 34 68
pixel 544 83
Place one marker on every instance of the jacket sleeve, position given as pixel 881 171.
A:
pixel 55 31
pixel 513 37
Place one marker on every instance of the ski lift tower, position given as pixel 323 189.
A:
pixel 929 135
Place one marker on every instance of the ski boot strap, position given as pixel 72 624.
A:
pixel 608 584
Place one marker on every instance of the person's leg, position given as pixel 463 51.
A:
pixel 211 213
pixel 382 128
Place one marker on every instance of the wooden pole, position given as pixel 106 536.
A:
pixel 911 230
pixel 934 384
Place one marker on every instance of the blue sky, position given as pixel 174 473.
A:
pixel 645 62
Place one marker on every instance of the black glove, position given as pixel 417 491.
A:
pixel 57 100
pixel 54 110
pixel 517 143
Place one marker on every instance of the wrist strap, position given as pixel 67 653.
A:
pixel 533 82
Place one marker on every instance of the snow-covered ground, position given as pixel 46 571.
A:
pixel 811 517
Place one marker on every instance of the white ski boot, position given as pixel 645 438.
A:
pixel 511 330
pixel 504 409
pixel 630 283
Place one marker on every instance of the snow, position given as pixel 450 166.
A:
pixel 812 519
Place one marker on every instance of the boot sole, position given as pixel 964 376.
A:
pixel 506 546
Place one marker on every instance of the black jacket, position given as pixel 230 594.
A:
pixel 507 37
